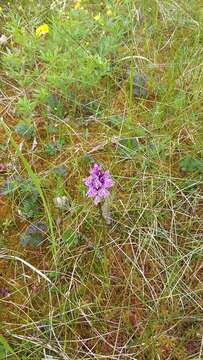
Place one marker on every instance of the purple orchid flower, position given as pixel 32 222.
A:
pixel 98 184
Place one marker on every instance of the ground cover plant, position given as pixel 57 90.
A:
pixel 101 171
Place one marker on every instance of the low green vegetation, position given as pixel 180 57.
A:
pixel 118 84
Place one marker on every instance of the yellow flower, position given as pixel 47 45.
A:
pixel 1 10
pixel 42 30
pixel 97 17
pixel 109 12
pixel 78 5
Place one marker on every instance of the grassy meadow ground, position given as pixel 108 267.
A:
pixel 122 281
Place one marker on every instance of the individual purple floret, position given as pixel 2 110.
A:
pixel 98 183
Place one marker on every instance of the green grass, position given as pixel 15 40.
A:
pixel 131 289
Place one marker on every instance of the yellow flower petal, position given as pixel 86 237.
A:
pixel 109 13
pixel 78 5
pixel 97 17
pixel 42 30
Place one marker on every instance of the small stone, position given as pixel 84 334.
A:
pixel 3 39
pixel 61 171
pixel 35 234
pixel 140 86
pixel 37 226
pixel 62 202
